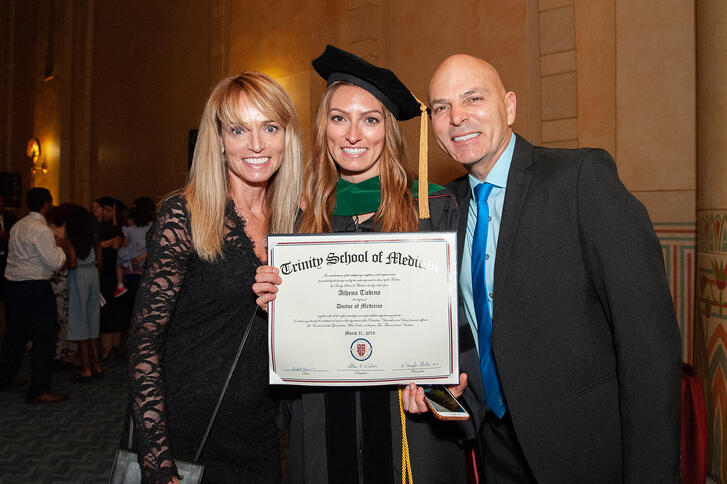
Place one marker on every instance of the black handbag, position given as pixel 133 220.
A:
pixel 126 469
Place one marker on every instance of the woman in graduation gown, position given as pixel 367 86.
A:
pixel 357 181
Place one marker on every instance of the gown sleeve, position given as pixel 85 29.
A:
pixel 443 212
pixel 169 248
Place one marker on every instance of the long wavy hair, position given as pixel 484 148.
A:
pixel 396 211
pixel 206 190
pixel 79 227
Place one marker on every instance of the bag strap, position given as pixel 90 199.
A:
pixel 227 382
pixel 219 399
pixel 131 429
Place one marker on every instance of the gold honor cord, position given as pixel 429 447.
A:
pixel 423 166
pixel 423 214
pixel 405 461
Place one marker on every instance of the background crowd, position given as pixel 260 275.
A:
pixel 93 295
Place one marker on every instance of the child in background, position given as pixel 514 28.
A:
pixel 134 246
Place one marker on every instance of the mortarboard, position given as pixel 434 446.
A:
pixel 335 64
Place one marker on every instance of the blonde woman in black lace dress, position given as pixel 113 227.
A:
pixel 195 298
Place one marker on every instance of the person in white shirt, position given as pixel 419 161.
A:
pixel 30 308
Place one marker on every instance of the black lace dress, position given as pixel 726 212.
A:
pixel 188 321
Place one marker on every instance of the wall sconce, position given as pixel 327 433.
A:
pixel 33 153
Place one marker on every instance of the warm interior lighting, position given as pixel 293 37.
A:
pixel 33 153
pixel 34 150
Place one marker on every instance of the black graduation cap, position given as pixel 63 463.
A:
pixel 335 64
pixel 338 65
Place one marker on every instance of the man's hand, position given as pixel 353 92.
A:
pixel 412 398
pixel 458 390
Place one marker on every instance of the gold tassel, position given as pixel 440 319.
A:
pixel 405 461
pixel 423 165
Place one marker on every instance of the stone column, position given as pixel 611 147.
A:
pixel 711 17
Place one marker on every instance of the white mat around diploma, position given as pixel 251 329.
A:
pixel 364 309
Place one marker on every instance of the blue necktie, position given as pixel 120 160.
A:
pixel 493 392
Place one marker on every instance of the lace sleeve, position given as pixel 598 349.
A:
pixel 169 248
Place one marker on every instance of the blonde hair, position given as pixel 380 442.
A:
pixel 207 185
pixel 396 212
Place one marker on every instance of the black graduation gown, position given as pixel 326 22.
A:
pixel 354 435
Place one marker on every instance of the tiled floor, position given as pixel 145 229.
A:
pixel 69 442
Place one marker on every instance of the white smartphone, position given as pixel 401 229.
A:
pixel 443 404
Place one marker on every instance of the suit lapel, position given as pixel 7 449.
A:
pixel 518 181
pixel 463 194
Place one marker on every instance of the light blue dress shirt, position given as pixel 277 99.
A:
pixel 497 177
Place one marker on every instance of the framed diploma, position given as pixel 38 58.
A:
pixel 364 309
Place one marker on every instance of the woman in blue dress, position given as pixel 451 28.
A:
pixel 84 308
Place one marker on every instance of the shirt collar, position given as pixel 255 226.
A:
pixel 500 170
pixel 37 216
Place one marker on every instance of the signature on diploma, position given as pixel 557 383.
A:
pixel 420 364
pixel 361 366
pixel 304 369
